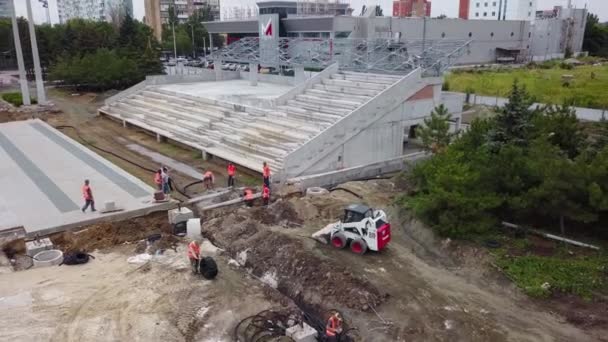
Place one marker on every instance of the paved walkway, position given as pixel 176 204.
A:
pixel 41 175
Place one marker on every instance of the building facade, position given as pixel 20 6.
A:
pixel 152 17
pixel 92 9
pixel 411 8
pixel 185 8
pixel 498 9
pixel 5 9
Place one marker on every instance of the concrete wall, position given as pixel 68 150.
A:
pixel 371 133
pixel 206 75
pixel 328 179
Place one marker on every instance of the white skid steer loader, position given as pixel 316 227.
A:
pixel 362 227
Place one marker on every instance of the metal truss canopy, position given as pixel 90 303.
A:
pixel 363 55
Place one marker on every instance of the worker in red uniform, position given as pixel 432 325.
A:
pixel 158 179
pixel 87 193
pixel 231 172
pixel 248 195
pixel 194 254
pixel 266 195
pixel 208 180
pixel 333 327
pixel 266 174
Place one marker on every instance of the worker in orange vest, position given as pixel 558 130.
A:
pixel 87 193
pixel 158 179
pixel 231 172
pixel 266 174
pixel 333 327
pixel 248 197
pixel 194 254
pixel 208 179
pixel 266 195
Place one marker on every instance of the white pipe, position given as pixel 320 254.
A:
pixel 25 90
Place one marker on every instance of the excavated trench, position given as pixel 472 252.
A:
pixel 257 239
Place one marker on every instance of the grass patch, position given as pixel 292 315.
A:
pixel 563 270
pixel 15 99
pixel 544 82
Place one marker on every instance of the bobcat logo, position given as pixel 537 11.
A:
pixel 267 29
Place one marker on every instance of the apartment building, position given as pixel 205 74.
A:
pixel 498 9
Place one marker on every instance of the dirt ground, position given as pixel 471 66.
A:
pixel 420 289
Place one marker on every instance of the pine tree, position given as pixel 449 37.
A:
pixel 435 133
pixel 513 122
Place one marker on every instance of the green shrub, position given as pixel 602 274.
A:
pixel 15 99
pixel 445 86
pixel 566 66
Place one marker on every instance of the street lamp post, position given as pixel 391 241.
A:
pixel 25 90
pixel 174 44
pixel 35 56
pixel 193 48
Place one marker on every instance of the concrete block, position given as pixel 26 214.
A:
pixel 304 333
pixel 48 258
pixel 109 206
pixel 34 247
pixel 180 215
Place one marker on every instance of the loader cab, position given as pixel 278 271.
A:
pixel 357 213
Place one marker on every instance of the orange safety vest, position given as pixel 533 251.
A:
pixel 266 171
pixel 86 192
pixel 194 251
pixel 208 174
pixel 248 194
pixel 231 170
pixel 266 192
pixel 158 178
pixel 333 325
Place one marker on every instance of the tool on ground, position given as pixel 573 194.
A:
pixel 207 267
pixel 362 228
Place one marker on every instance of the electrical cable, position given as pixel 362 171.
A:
pixel 182 192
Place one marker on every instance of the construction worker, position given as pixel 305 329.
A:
pixel 158 179
pixel 167 186
pixel 208 179
pixel 87 193
pixel 333 327
pixel 266 174
pixel 231 172
pixel 266 195
pixel 248 195
pixel 194 254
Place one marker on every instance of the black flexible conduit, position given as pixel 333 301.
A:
pixel 182 192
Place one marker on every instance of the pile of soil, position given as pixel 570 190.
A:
pixel 277 213
pixel 107 234
pixel 321 283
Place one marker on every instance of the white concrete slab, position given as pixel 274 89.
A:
pixel 235 91
pixel 41 175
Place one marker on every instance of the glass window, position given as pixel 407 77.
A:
pixel 529 14
pixel 512 34
pixel 324 34
pixel 470 34
pixel 477 14
pixel 493 14
pixel 492 34
pixel 530 3
pixel 443 35
pixel 494 4
pixel 477 4
pixel 485 14
pixel 485 4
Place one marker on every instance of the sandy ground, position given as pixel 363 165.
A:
pixel 109 299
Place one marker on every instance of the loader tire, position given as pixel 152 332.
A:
pixel 208 268
pixel 338 240
pixel 358 246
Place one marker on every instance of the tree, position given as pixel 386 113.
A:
pixel 435 133
pixel 596 37
pixel 442 16
pixel 513 122
pixel 379 12
pixel 560 126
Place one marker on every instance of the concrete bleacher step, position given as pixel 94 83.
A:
pixel 338 96
pixel 315 107
pixel 364 74
pixel 322 119
pixel 352 84
pixel 328 102
pixel 365 79
pixel 345 90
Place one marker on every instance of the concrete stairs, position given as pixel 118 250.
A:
pixel 248 136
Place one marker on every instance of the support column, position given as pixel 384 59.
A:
pixel 205 155
pixel 35 56
pixel 25 90
pixel 217 67
pixel 299 75
pixel 158 138
pixel 253 74
pixel 124 123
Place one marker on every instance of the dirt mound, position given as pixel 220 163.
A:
pixel 289 265
pixel 278 213
pixel 107 234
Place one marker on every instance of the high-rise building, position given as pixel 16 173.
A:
pixel 185 8
pixel 411 8
pixel 498 9
pixel 92 9
pixel 5 9
pixel 152 17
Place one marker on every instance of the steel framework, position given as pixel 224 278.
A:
pixel 363 55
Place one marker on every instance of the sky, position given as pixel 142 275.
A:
pixel 447 7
